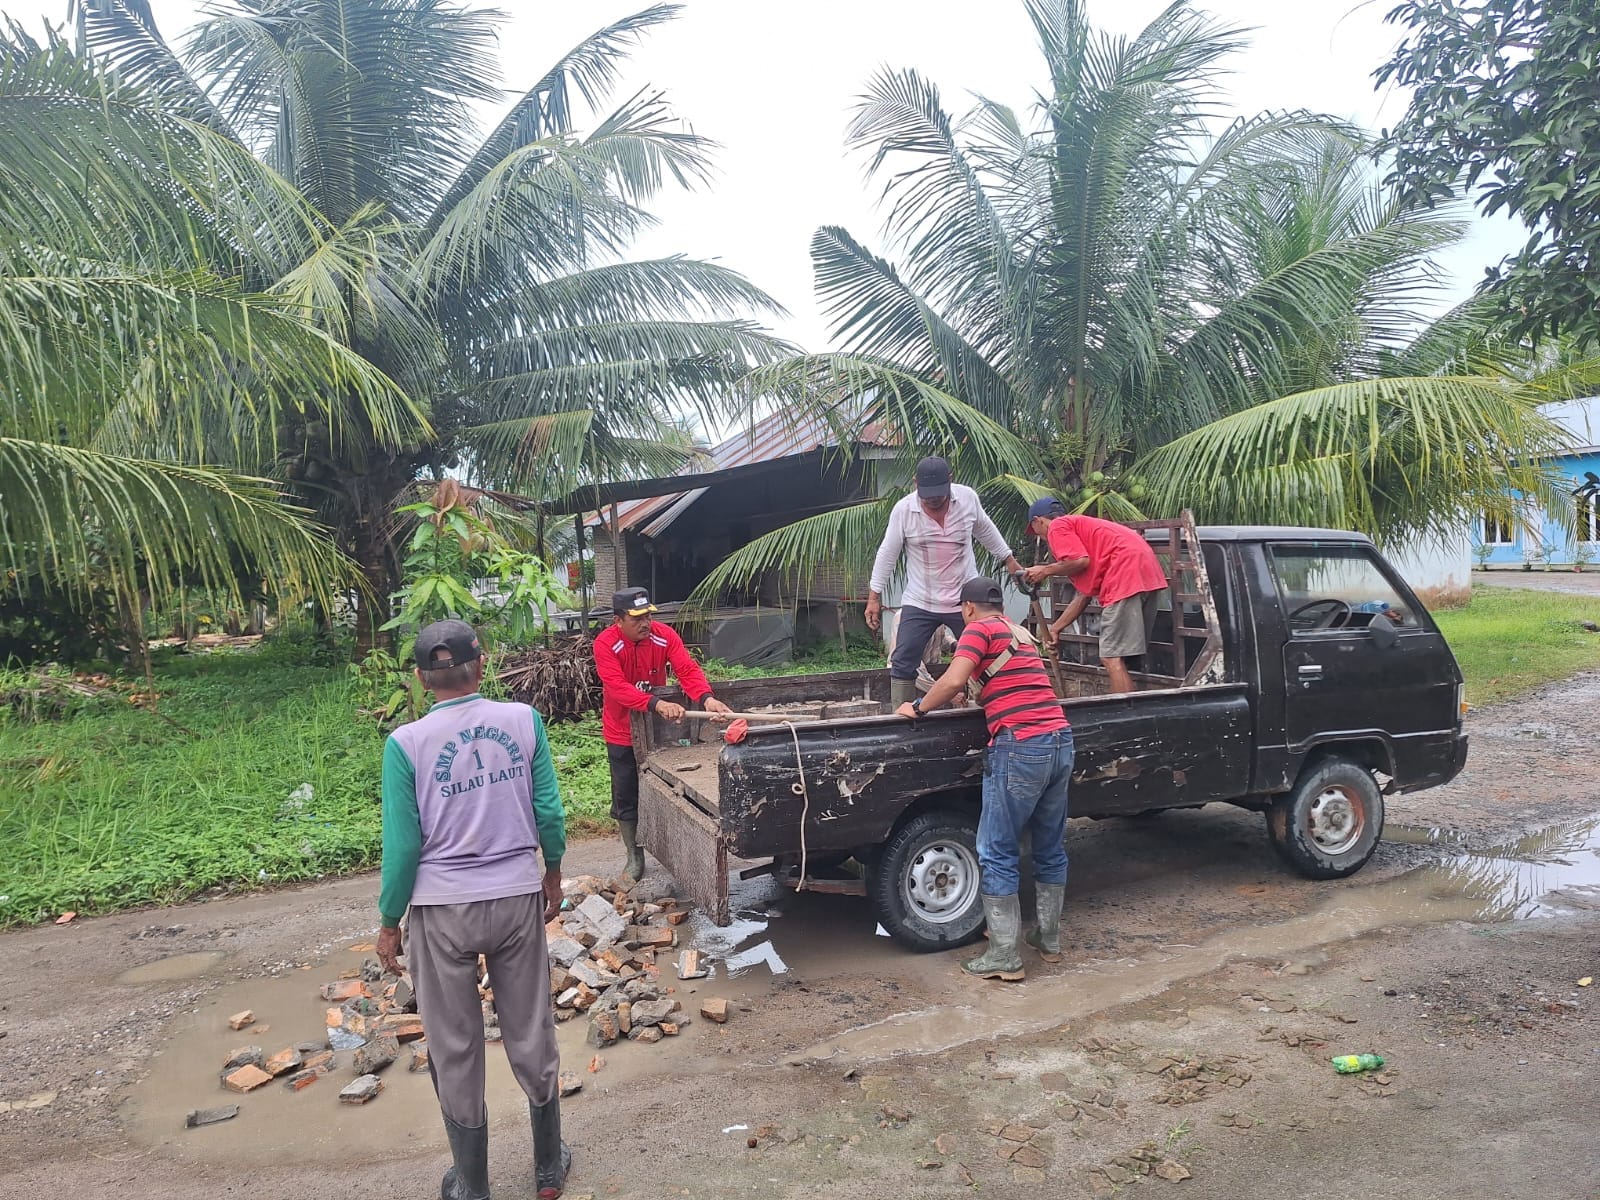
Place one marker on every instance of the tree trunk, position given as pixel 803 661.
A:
pixel 372 604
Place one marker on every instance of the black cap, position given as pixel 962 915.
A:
pixel 633 602
pixel 457 638
pixel 982 591
pixel 933 479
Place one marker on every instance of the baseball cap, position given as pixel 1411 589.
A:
pixel 1046 506
pixel 455 637
pixel 982 591
pixel 933 479
pixel 634 602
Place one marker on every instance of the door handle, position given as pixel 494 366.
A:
pixel 1309 670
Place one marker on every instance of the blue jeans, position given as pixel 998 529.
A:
pixel 1024 789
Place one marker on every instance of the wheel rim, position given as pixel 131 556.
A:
pixel 941 881
pixel 1336 820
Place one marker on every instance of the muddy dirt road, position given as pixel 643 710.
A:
pixel 1186 1034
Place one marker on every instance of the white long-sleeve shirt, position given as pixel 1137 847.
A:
pixel 939 558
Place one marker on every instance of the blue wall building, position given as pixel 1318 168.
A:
pixel 1527 538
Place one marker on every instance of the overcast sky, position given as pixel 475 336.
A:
pixel 774 84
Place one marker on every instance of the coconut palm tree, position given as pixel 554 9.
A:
pixel 483 271
pixel 1168 317
pixel 134 358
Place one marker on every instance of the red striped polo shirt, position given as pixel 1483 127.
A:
pixel 1017 697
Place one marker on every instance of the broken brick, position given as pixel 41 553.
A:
pixel 301 1080
pixel 419 1056
pixel 560 979
pixel 651 937
pixel 588 974
pixel 570 1083
pixel 403 1027
pixel 245 1079
pixel 361 1090
pixel 669 1028
pixel 689 965
pixel 675 918
pixel 595 1064
pixel 714 1008
pixel 376 1055
pixel 283 1062
pixel 611 960
pixel 317 1061
pixel 345 989
pixel 210 1116
pixel 243 1056
pixel 650 1012
pixel 625 1016
pixel 240 1019
pixel 603 1030
pixel 586 997
pixel 649 1035
pixel 568 998
pixel 564 951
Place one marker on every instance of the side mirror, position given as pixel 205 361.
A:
pixel 1384 634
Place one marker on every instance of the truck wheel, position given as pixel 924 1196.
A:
pixel 925 883
pixel 1329 825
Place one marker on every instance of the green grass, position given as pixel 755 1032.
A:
pixel 113 806
pixel 1508 642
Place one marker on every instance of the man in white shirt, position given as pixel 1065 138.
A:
pixel 934 527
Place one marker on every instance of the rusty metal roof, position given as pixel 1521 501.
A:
pixel 776 437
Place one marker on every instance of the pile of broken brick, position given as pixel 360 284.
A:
pixel 603 964
pixel 602 951
pixel 375 1014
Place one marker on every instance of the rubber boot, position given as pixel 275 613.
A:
pixel 629 832
pixel 468 1177
pixel 1045 937
pixel 902 691
pixel 1002 959
pixel 552 1157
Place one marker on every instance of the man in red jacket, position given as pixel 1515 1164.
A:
pixel 632 657
pixel 1112 563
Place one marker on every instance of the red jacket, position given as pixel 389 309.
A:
pixel 629 669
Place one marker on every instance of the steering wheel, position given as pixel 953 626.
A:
pixel 1328 614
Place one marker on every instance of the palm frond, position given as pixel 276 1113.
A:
pixel 545 110
pixel 1384 456
pixel 71 514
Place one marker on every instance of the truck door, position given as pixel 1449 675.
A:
pixel 1359 654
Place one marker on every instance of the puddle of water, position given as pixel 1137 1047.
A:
pixel 405 1114
pixel 1415 835
pixel 1527 878
pixel 176 967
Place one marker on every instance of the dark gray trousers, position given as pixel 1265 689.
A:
pixel 443 942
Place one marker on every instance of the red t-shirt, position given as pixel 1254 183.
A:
pixel 1017 697
pixel 1121 563
pixel 629 669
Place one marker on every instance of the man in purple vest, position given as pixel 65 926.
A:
pixel 469 801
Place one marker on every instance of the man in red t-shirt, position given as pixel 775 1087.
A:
pixel 1025 776
pixel 632 657
pixel 1109 562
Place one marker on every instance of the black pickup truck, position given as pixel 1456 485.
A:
pixel 1294 674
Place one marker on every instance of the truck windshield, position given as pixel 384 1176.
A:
pixel 1336 587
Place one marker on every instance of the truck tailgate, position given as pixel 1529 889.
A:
pixel 688 842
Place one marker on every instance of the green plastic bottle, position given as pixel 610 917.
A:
pixel 1354 1064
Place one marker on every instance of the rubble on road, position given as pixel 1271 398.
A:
pixel 361 1090
pixel 210 1116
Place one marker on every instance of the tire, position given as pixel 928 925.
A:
pixel 1328 826
pixel 925 883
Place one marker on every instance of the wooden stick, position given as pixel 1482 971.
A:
pixel 695 714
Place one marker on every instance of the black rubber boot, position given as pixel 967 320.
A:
pixel 468 1179
pixel 552 1157
pixel 633 871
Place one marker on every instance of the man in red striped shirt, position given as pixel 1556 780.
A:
pixel 1025 776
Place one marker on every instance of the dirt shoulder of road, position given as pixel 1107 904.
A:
pixel 1203 992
